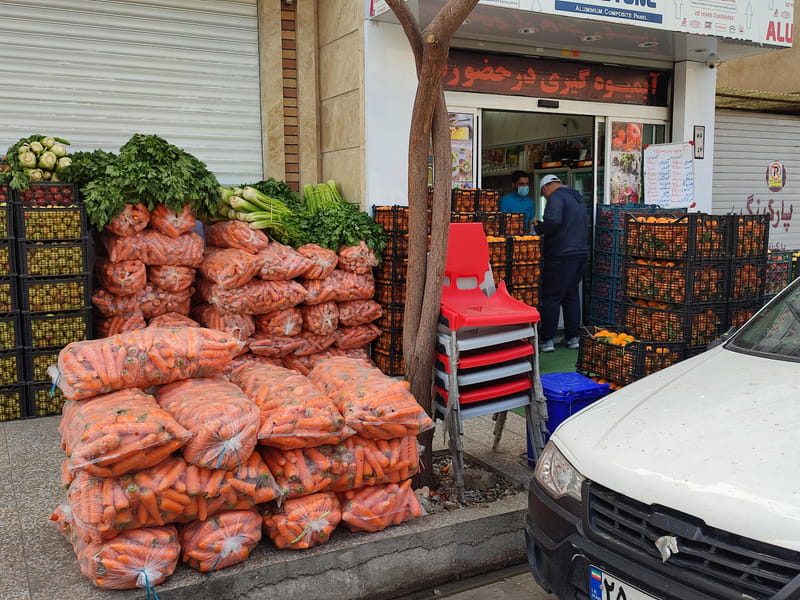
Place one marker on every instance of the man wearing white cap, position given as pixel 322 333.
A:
pixel 565 246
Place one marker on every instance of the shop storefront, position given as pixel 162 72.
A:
pixel 541 87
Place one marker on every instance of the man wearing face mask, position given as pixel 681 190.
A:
pixel 518 201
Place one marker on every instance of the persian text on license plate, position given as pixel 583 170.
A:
pixel 603 586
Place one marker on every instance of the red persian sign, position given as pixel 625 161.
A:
pixel 544 78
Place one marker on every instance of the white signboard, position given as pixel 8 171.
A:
pixel 669 175
pixel 769 22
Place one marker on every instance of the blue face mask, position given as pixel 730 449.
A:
pixel 523 190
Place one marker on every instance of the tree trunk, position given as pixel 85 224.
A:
pixel 429 126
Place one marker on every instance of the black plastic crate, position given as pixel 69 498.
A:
pixel 603 354
pixel 388 293
pixel 779 271
pixel 607 288
pixel 608 264
pixel 748 278
pixel 609 240
pixel 463 200
pixel 50 224
pixel 37 360
pixel 392 318
pixel 48 194
pixel 685 237
pixel 396 248
pixel 525 248
pixel 498 248
pixel 8 294
pixel 524 274
pixel 389 341
pixel 47 330
pixel 8 261
pixel 529 294
pixel 11 367
pixel 12 402
pixel 391 362
pixel 42 259
pixel 695 281
pixel 604 312
pixel 488 200
pixel 55 294
pixel 393 219
pixel 6 222
pixel 613 216
pixel 739 312
pixel 43 399
pixel 749 235
pixel 10 330
pixel 697 325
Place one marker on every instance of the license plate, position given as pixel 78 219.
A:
pixel 603 586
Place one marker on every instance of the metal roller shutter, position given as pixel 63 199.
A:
pixel 745 143
pixel 95 72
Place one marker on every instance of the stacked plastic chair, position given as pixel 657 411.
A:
pixel 487 361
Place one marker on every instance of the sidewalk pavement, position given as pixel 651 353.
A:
pixel 37 563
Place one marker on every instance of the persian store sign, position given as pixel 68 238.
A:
pixel 520 76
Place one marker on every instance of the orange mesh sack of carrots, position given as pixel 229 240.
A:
pixel 121 278
pixel 304 364
pixel 302 523
pixel 173 319
pixel 242 327
pixel 119 433
pixel 141 358
pixel 280 263
pixel 375 405
pixel 377 507
pixel 114 305
pixel 132 219
pixel 222 540
pixel 352 463
pixel 229 267
pixel 222 420
pixel 236 234
pixel 294 412
pixel 286 322
pixel 275 346
pixel 151 301
pixel 140 558
pixel 359 312
pixel 172 278
pixel 356 337
pixel 114 325
pixel 256 297
pixel 357 259
pixel 311 343
pixel 249 358
pixel 323 261
pixel 322 318
pixel 153 248
pixel 340 286
pixel 173 491
pixel 168 222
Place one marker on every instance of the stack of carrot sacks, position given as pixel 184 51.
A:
pixel 148 268
pixel 222 447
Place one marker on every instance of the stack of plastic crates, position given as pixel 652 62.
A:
pixel 524 270
pixel 749 242
pixel 676 278
pixel 53 253
pixel 605 306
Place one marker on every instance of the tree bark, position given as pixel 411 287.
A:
pixel 429 126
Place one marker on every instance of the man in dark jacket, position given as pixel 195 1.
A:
pixel 565 247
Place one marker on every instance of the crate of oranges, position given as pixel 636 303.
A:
pixel 615 355
pixel 684 237
pixel 695 324
pixel 676 281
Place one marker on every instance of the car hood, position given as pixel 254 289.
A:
pixel 715 436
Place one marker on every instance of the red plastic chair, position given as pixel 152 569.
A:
pixel 481 321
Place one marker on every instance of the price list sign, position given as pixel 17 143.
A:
pixel 669 175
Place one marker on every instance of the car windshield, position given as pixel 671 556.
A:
pixel 775 331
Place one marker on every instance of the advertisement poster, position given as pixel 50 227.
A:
pixel 625 166
pixel 462 144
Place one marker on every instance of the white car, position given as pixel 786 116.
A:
pixel 684 485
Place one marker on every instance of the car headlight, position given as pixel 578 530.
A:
pixel 555 474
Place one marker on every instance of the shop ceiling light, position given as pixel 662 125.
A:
pixel 592 38
pixel 528 30
pixel 648 44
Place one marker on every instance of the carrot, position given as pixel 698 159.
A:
pixel 223 540
pixel 171 278
pixel 374 509
pixel 358 312
pixel 357 259
pixel 239 326
pixel 154 248
pixel 157 355
pixel 339 286
pixel 229 268
pixel 237 234
pixel 166 221
pixel 121 278
pixel 172 319
pixel 321 319
pixel 287 322
pixel 264 344
pixel 311 343
pixel 255 297
pixel 132 219
pixel 303 522
pixel 323 260
pixel 357 336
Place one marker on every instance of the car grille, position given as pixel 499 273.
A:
pixel 720 560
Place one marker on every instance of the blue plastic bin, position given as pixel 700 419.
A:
pixel 566 394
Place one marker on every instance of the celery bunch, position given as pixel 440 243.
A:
pixel 259 210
